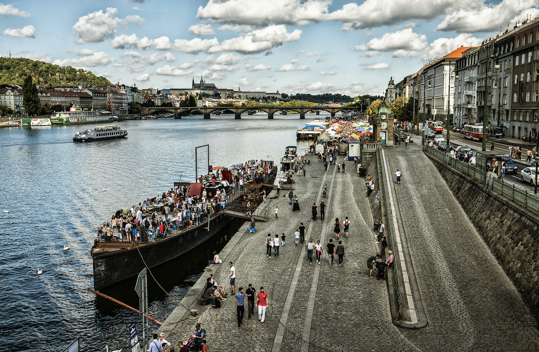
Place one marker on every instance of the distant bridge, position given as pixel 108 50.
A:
pixel 207 111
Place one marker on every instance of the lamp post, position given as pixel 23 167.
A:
pixel 424 107
pixel 448 105
pixel 413 108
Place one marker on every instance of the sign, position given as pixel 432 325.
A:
pixel 73 347
pixel 136 348
pixel 133 334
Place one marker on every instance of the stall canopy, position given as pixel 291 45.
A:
pixel 195 190
pixel 226 175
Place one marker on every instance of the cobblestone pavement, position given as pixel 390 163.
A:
pixel 469 302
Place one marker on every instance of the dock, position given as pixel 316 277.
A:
pixel 239 215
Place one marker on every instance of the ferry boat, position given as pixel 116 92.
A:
pixel 40 122
pixel 76 116
pixel 100 133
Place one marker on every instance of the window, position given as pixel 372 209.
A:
pixel 521 116
pixel 516 79
pixel 536 96
pixel 514 97
pixel 506 83
pixel 524 39
pixel 530 56
pixel 523 59
pixel 505 99
pixel 529 77
pixel 527 97
pixel 511 46
pixel 518 42
pixel 522 77
pixel 528 116
pixel 531 37
pixel 517 59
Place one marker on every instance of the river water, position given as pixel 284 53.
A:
pixel 58 192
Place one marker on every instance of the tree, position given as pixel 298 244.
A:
pixel 135 108
pixel 375 104
pixel 30 97
pixel 192 101
pixel 398 107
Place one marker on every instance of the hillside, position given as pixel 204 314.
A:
pixel 13 71
pixel 322 98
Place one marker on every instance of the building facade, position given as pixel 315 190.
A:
pixel 12 98
pixel 465 98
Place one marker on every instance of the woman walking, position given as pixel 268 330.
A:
pixel 318 250
pixel 337 229
pixel 269 245
pixel 315 212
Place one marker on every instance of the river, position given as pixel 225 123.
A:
pixel 58 192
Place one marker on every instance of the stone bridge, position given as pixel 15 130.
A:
pixel 207 111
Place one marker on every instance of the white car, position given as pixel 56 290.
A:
pixel 528 175
pixel 439 137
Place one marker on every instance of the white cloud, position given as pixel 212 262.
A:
pixel 132 41
pixel 259 67
pixel 294 61
pixel 132 54
pixel 406 53
pixel 194 46
pixel 243 45
pixel 169 57
pixel 155 58
pixel 487 17
pixel 84 52
pixel 201 29
pixel 136 8
pixel 378 66
pixel 228 68
pixel 97 26
pixel 235 28
pixel 300 52
pixel 223 59
pixel 291 12
pixel 136 68
pixel 26 31
pixel 105 74
pixel 162 43
pixel 9 10
pixel 330 73
pixel 243 81
pixel 314 54
pixel 39 57
pixel 370 53
pixel 373 13
pixel 214 76
pixel 443 46
pixel 143 77
pixel 314 86
pixel 404 39
pixel 173 71
pixel 275 34
pixel 319 86
pixel 99 58
pixel 320 59
pixel 290 67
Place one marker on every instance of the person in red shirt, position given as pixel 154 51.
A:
pixel 262 300
pixel 182 347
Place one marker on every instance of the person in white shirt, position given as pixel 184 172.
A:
pixel 318 250
pixel 398 175
pixel 276 211
pixel 296 236
pixel 232 277
pixel 472 160
pixel 276 245
pixel 162 339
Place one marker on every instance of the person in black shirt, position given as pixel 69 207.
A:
pixel 251 292
pixel 322 206
pixel 331 251
pixel 370 262
pixel 301 233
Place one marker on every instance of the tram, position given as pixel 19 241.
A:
pixel 436 126
pixel 474 132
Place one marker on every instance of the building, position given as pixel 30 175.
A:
pixel 202 85
pixel 465 98
pixel 99 98
pixel 12 98
pixel 391 92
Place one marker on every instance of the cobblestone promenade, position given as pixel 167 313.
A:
pixel 470 304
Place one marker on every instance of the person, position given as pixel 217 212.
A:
pixel 251 291
pixel 262 300
pixel 381 268
pixel 322 206
pixel 491 146
pixel 296 204
pixel 269 244
pixel 251 227
pixel 381 230
pixel 529 156
pixel 326 165
pixel 301 233
pixel 216 294
pixel 283 237
pixel 340 252
pixel 337 228
pixel 390 259
pixel 278 188
pixel 315 211
pixel 398 175
pixel 220 288
pixel 204 346
pixel 155 345
pixel 318 250
pixel 330 249
pixel 291 196
pixel 276 211
pixel 215 259
pixel 309 247
pixel 370 262
pixel 276 245
pixel 263 193
pixel 232 277
pixel 325 190
pixel 199 336
pixel 182 347
pixel 343 166
pixel 346 226
pixel 504 166
pixel 296 236
pixel 384 245
pixel 240 305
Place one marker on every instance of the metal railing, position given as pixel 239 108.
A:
pixel 390 234
pixel 507 189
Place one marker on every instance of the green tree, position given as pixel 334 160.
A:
pixel 135 108
pixel 192 101
pixel 30 98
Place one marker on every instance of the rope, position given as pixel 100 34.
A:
pixel 158 284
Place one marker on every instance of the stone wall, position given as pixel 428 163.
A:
pixel 511 232
pixel 371 163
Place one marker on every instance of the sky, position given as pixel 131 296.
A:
pixel 290 46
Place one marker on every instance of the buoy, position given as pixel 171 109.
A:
pixel 66 247
pixel 6 211
pixel 39 272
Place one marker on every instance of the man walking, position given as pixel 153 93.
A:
pixel 340 252
pixel 240 305
pixel 290 196
pixel 296 236
pixel 301 233
pixel 276 245
pixel 346 226
pixel 380 231
pixel 262 300
pixel 250 301
pixel 398 175
pixel 309 247
pixel 322 206
pixel 232 277
pixel 330 249
pixel 278 187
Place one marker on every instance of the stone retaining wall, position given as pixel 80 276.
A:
pixel 510 232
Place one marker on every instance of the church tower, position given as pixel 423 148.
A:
pixel 390 93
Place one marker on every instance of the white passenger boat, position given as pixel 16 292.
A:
pixel 100 133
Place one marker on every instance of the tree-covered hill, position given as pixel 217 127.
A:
pixel 322 98
pixel 13 71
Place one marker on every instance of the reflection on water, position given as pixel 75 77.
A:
pixel 58 192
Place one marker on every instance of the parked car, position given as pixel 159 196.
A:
pixel 430 135
pixel 528 175
pixel 442 144
pixel 498 132
pixel 457 129
pixel 510 166
pixel 532 164
pixel 462 149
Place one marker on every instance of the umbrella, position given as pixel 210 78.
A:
pixel 368 132
pixel 359 129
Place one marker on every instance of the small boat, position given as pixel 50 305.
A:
pixel 100 133
pixel 46 122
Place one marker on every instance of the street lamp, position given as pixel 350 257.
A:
pixel 424 107
pixel 448 101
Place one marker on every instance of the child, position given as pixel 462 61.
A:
pixel 276 211
pixel 204 347
pixel 282 239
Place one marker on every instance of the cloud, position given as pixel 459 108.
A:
pixel 99 58
pixel 330 73
pixel 105 74
pixel 194 46
pixel 40 57
pixel 290 12
pixel 290 67
pixel 370 53
pixel 303 88
pixel 373 13
pixel 98 26
pixel 26 31
pixel 169 57
pixel 235 28
pixel 314 54
pixel 488 17
pixel 378 66
pixel 223 59
pixel 243 82
pixel 320 59
pixel 300 52
pixel 404 39
pixel 143 77
pixel 214 76
pixel 9 10
pixel 276 34
pixel 136 8
pixel 162 43
pixel 131 41
pixel 294 61
pixel 173 71
pixel 260 67
pixel 443 46
pixel 406 53
pixel 201 29
pixel 84 52
pixel 155 58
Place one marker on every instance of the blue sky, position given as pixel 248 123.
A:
pixel 312 46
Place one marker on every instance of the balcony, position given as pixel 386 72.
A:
pixel 469 92
pixel 466 79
